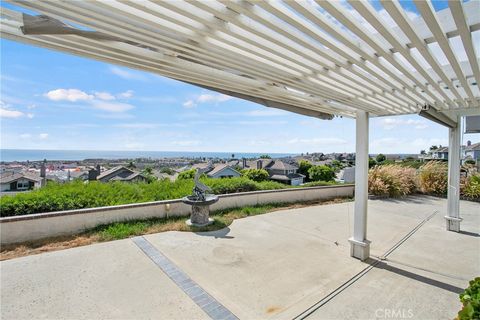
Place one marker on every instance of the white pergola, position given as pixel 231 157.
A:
pixel 317 58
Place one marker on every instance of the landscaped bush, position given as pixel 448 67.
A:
pixel 321 173
pixel 187 174
pixel 255 174
pixel 433 178
pixel 303 167
pixel 79 195
pixel 241 184
pixel 319 183
pixel 470 299
pixel 471 188
pixel 391 180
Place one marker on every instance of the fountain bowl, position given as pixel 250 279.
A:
pixel 200 215
pixel 194 201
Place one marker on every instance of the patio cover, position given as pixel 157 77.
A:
pixel 319 58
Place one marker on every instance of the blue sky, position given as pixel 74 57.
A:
pixel 51 100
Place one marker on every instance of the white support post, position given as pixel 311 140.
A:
pixel 453 203
pixel 359 245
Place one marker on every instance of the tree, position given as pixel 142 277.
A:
pixel 167 170
pixel 131 165
pixel 432 148
pixel 303 167
pixel 321 173
pixel 265 156
pixel 336 165
pixel 255 174
pixel 147 170
pixel 372 163
pixel 422 152
pixel 380 158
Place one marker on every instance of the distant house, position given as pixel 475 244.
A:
pixel 121 173
pixel 278 170
pixel 284 172
pixel 440 153
pixel 472 152
pixel 11 181
pixel 223 171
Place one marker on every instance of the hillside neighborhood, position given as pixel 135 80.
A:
pixel 24 176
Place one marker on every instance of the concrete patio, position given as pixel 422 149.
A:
pixel 287 264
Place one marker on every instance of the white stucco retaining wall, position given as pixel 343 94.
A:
pixel 43 225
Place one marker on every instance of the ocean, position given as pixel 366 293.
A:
pixel 9 155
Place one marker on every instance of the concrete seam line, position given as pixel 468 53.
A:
pixel 360 274
pixel 214 309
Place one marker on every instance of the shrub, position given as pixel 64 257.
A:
pixel 167 170
pixel 470 162
pixel 303 167
pixel 240 184
pixel 255 174
pixel 470 299
pixel 391 180
pixel 79 195
pixel 433 178
pixel 321 173
pixel 380 158
pixel 319 183
pixel 187 174
pixel 372 163
pixel 471 188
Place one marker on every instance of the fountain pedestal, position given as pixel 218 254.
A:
pixel 200 215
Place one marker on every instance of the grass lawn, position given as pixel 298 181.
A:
pixel 127 229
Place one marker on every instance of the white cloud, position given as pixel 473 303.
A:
pixel 205 98
pixel 125 95
pixel 127 74
pixel 25 136
pixel 391 123
pixel 137 125
pixel 71 95
pixel 7 113
pixel 43 136
pixel 32 106
pixel 189 104
pixel 104 96
pixel 112 106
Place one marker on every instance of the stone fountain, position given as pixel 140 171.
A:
pixel 200 201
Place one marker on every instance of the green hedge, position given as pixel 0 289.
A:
pixel 79 195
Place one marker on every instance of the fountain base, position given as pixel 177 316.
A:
pixel 200 216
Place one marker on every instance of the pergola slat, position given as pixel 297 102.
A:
pixel 285 51
pixel 398 15
pixel 428 14
pixel 461 23
pixel 367 11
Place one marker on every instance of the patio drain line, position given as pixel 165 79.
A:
pixel 356 277
pixel 214 309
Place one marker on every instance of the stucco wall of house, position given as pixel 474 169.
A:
pixel 37 226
